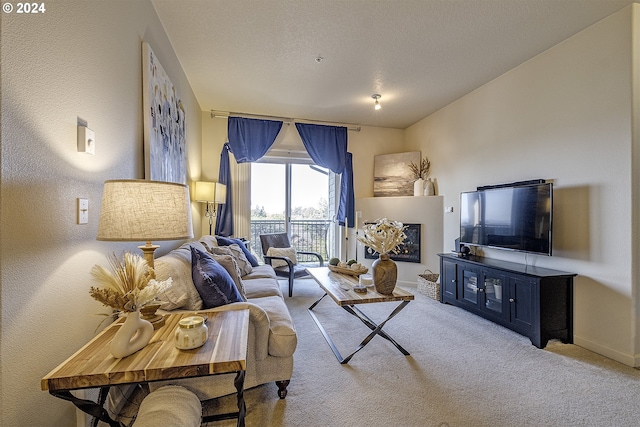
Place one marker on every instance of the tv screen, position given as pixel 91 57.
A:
pixel 511 217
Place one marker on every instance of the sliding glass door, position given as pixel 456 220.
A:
pixel 292 198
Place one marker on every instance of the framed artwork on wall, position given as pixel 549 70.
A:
pixel 392 175
pixel 165 144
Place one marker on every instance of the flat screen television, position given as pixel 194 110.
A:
pixel 515 217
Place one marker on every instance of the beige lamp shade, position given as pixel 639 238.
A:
pixel 211 192
pixel 143 210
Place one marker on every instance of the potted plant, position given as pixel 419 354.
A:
pixel 128 286
pixel 384 237
pixel 420 172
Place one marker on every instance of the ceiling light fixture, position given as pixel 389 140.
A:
pixel 377 104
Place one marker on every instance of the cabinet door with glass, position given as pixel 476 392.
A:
pixel 493 288
pixel 468 285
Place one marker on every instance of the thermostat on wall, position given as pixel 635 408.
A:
pixel 86 140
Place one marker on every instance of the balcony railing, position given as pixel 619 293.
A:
pixel 307 235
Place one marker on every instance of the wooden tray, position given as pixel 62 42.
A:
pixel 348 271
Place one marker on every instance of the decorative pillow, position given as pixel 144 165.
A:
pixel 237 253
pixel 209 242
pixel 177 265
pixel 229 263
pixel 288 252
pixel 226 241
pixel 212 281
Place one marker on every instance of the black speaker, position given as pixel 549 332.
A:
pixel 464 251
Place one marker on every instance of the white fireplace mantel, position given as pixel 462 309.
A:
pixel 425 210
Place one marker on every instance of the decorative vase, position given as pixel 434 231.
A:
pixel 385 274
pixel 429 188
pixel 132 336
pixel 418 187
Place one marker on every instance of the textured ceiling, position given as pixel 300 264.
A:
pixel 259 57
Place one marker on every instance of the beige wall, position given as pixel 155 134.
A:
pixel 79 59
pixel 564 115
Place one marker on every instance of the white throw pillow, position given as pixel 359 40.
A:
pixel 209 242
pixel 177 265
pixel 287 252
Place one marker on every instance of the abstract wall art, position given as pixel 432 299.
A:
pixel 165 145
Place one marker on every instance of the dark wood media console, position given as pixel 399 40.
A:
pixel 533 301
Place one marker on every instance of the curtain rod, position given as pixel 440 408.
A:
pixel 286 120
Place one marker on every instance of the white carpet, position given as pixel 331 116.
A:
pixel 462 371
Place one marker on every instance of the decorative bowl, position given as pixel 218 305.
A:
pixel 348 271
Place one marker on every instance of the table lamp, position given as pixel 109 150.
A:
pixel 143 210
pixel 211 193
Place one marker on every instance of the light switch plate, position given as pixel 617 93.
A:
pixel 83 211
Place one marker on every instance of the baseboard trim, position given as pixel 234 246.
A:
pixel 407 284
pixel 625 358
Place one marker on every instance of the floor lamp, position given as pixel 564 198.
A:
pixel 145 211
pixel 213 194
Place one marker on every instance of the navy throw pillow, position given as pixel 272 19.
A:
pixel 212 281
pixel 227 241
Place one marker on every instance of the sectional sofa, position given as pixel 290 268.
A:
pixel 272 335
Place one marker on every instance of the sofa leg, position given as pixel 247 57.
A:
pixel 282 388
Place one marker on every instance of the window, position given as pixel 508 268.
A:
pixel 293 198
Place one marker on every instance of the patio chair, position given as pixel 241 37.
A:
pixel 283 257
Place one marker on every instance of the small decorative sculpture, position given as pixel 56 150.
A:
pixel 129 285
pixel 420 173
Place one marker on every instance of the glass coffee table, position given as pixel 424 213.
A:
pixel 340 288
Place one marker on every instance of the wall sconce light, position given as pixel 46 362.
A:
pixel 211 193
pixel 376 96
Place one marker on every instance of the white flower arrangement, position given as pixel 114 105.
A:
pixel 128 284
pixel 383 236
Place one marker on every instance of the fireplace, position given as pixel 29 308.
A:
pixel 409 251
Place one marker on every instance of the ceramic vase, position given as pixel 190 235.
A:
pixel 385 274
pixel 418 187
pixel 132 336
pixel 429 188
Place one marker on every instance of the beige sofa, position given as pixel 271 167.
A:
pixel 272 335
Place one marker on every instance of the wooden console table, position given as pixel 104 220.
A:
pixel 93 366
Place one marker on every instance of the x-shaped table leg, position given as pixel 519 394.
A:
pixel 375 329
